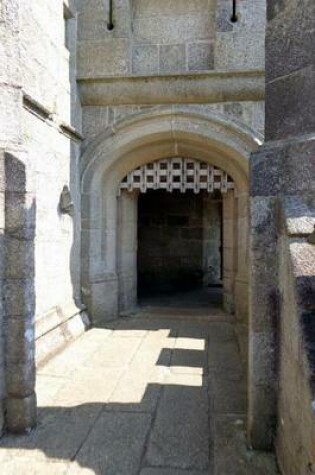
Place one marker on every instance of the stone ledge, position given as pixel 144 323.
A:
pixel 198 88
pixel 300 215
pixel 49 117
pixel 57 338
pixel 55 317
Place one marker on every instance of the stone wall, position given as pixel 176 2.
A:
pixel 151 37
pixel 172 53
pixel 97 118
pixel 2 307
pixel 51 111
pixel 38 116
pixel 282 172
pixel 296 421
pixel 10 138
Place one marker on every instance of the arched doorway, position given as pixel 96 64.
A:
pixel 109 218
pixel 179 237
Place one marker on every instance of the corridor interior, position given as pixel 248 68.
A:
pixel 179 242
pixel 162 392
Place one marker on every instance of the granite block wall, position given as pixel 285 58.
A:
pixel 2 280
pixel 10 138
pixel 39 122
pixel 283 171
pixel 48 59
pixel 164 37
pixel 97 118
pixel 296 427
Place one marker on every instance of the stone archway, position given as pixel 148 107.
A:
pixel 166 132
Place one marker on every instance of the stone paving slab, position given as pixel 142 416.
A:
pixel 115 352
pixel 231 453
pixel 167 471
pixel 180 434
pixel 115 444
pixel 58 435
pixel 93 386
pixel 148 396
pixel 230 396
pixel 23 466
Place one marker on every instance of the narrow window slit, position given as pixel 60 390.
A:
pixel 234 16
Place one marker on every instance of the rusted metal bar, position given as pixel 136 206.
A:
pixel 234 11
pixel 110 22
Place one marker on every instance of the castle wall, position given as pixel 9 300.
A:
pixel 282 283
pixel 296 428
pixel 171 39
pixel 40 247
pixel 164 37
pixel 41 121
pixel 10 137
pixel 48 52
pixel 179 52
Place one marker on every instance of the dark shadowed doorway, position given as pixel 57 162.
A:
pixel 179 242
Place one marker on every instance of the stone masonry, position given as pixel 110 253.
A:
pixel 90 91
pixel 282 260
pixel 148 395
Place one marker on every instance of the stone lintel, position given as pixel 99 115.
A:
pixel 197 88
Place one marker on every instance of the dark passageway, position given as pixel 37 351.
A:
pixel 179 242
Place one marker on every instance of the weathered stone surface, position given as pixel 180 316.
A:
pixel 167 471
pixel 44 47
pixel 150 7
pixel 20 411
pixel 180 435
pixel 172 58
pixel 160 29
pixel 232 453
pixel 200 56
pixel 239 51
pixel 145 59
pixel 101 58
pixel 102 417
pixel 197 88
pixel 298 109
pixel 290 34
pixel 59 433
pixel 300 215
pixel 119 448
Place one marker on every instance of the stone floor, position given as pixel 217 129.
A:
pixel 159 393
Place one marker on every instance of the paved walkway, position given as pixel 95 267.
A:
pixel 161 393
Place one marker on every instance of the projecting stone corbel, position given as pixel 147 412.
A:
pixel 65 203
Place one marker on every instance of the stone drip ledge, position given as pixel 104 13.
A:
pixel 198 88
pixel 48 116
pixel 56 329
